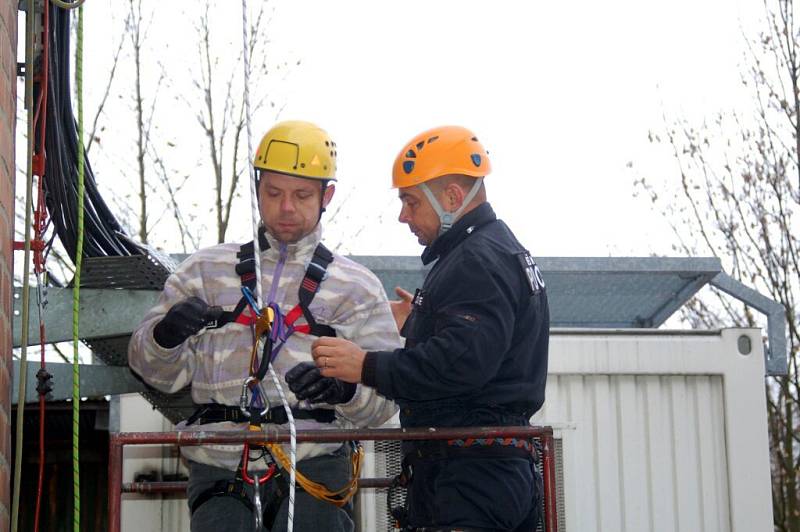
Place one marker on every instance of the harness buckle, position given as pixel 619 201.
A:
pixel 318 270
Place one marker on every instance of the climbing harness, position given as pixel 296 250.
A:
pixel 485 448
pixel 275 328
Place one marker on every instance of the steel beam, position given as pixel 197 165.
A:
pixel 96 381
pixel 775 351
pixel 103 313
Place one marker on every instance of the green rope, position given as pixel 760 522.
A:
pixel 76 382
pixel 23 358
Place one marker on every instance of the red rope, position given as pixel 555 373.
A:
pixel 40 216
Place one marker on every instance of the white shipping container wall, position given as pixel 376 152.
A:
pixel 660 431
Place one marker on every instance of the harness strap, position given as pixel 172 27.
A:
pixel 309 286
pixel 223 488
pixel 215 413
pixel 470 448
pixel 315 274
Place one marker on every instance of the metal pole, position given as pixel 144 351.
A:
pixel 549 474
pixel 180 486
pixel 271 434
pixel 114 482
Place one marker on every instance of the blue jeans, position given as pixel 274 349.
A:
pixel 225 513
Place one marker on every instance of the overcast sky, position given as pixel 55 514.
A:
pixel 562 94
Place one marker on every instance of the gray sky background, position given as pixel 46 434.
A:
pixel 563 95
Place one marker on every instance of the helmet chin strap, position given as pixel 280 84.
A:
pixel 447 219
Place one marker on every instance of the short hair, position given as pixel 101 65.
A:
pixel 464 181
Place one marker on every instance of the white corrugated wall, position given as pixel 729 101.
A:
pixel 647 438
pixel 651 449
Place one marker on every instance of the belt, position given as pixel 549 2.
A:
pixel 215 413
pixel 472 448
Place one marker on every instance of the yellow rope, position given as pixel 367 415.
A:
pixel 320 491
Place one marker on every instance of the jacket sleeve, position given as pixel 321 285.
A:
pixel 371 326
pixel 168 370
pixel 473 324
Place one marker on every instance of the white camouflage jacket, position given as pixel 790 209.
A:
pixel 215 361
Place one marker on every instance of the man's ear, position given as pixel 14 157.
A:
pixel 328 196
pixel 454 197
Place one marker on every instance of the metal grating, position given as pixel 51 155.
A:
pixel 142 272
pixel 561 507
pixel 137 272
pixel 388 463
pixel 111 351
pixel 388 459
pixel 589 292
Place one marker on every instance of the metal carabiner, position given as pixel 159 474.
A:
pixel 256 502
pixel 244 399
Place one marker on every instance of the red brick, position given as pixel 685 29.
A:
pixel 5 292
pixel 10 14
pixel 5 442
pixel 4 486
pixel 8 57
pixel 6 179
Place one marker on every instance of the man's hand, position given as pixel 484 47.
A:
pixel 183 320
pixel 306 382
pixel 340 358
pixel 401 308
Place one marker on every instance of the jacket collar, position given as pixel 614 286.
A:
pixel 302 250
pixel 465 226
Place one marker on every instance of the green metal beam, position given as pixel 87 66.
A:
pixel 96 381
pixel 104 313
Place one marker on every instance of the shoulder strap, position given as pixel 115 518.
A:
pixel 315 274
pixel 246 270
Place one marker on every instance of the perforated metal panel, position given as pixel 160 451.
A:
pixel 388 460
pixel 138 272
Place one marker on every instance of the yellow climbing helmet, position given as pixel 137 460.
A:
pixel 440 151
pixel 297 148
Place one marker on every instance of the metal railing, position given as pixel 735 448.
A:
pixel 118 440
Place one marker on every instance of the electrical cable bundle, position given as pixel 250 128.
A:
pixel 103 235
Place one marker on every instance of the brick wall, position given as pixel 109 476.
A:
pixel 8 99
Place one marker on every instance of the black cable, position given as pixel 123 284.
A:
pixel 103 234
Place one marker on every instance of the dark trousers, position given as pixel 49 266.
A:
pixel 474 493
pixel 223 514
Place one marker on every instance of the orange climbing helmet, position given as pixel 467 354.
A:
pixel 437 152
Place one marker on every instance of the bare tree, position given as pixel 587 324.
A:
pixel 738 196
pixel 222 113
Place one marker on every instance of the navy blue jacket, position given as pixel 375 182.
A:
pixel 477 337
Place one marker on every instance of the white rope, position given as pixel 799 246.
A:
pixel 257 256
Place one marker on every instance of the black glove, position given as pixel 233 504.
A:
pixel 183 320
pixel 307 382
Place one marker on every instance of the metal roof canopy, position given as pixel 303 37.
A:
pixel 584 292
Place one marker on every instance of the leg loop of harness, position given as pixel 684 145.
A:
pixel 224 488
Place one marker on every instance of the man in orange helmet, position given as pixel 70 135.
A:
pixel 476 347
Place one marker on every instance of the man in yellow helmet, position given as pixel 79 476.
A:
pixel 476 345
pixel 199 333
